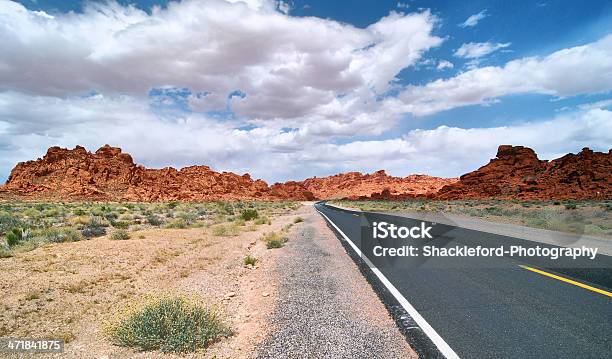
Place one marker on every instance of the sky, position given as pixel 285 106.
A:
pixel 286 90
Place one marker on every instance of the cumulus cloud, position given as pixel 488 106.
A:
pixel 474 50
pixel 30 123
pixel 444 64
pixel 474 19
pixel 283 7
pixel 450 151
pixel 568 72
pixel 284 64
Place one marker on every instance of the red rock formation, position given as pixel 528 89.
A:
pixel 109 174
pixel 377 185
pixel 517 172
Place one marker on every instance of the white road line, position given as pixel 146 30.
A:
pixel 442 346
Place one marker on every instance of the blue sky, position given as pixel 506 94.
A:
pixel 289 90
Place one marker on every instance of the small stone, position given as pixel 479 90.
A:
pixel 265 294
pixel 231 294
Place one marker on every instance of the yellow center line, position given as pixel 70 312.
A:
pixel 581 285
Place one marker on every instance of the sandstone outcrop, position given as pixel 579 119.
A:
pixel 378 185
pixel 110 174
pixel 517 173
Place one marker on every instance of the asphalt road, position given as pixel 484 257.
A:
pixel 491 307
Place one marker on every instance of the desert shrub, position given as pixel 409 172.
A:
pixel 154 220
pixel 570 205
pixel 126 217
pixel 274 240
pixel 222 230
pixel 227 208
pixel 58 235
pixel 263 220
pixel 7 222
pixel 172 205
pixel 91 232
pixel 249 214
pixel 248 260
pixel 168 324
pixel 14 236
pixel 5 252
pixel 120 235
pixel 79 212
pixel 120 224
pixel 239 222
pixel 110 216
pixel 298 220
pixel 178 223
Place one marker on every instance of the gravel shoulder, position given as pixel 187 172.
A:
pixel 324 306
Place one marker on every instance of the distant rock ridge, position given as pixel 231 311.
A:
pixel 517 173
pixel 378 185
pixel 110 174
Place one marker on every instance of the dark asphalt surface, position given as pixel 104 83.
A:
pixel 490 307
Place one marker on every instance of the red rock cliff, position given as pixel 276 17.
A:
pixel 516 172
pixel 377 185
pixel 109 174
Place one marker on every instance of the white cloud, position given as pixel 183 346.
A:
pixel 450 151
pixel 568 72
pixel 283 7
pixel 402 5
pixel 30 124
pixel 286 65
pixel 474 50
pixel 444 64
pixel 474 19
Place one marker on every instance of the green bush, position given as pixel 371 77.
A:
pixel 91 232
pixel 225 230
pixel 79 212
pixel 58 235
pixel 170 325
pixel 274 240
pixel 5 253
pixel 120 235
pixel 249 214
pixel 14 236
pixel 178 223
pixel 154 220
pixel 120 224
pixel 248 260
pixel 7 222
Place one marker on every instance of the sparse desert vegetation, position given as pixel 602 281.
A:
pixel 27 225
pixel 169 324
pixel 68 268
pixel 275 239
pixel 579 217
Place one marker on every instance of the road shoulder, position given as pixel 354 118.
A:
pixel 324 306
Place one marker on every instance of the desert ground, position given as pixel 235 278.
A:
pixel 58 283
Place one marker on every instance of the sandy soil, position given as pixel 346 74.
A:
pixel 68 290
